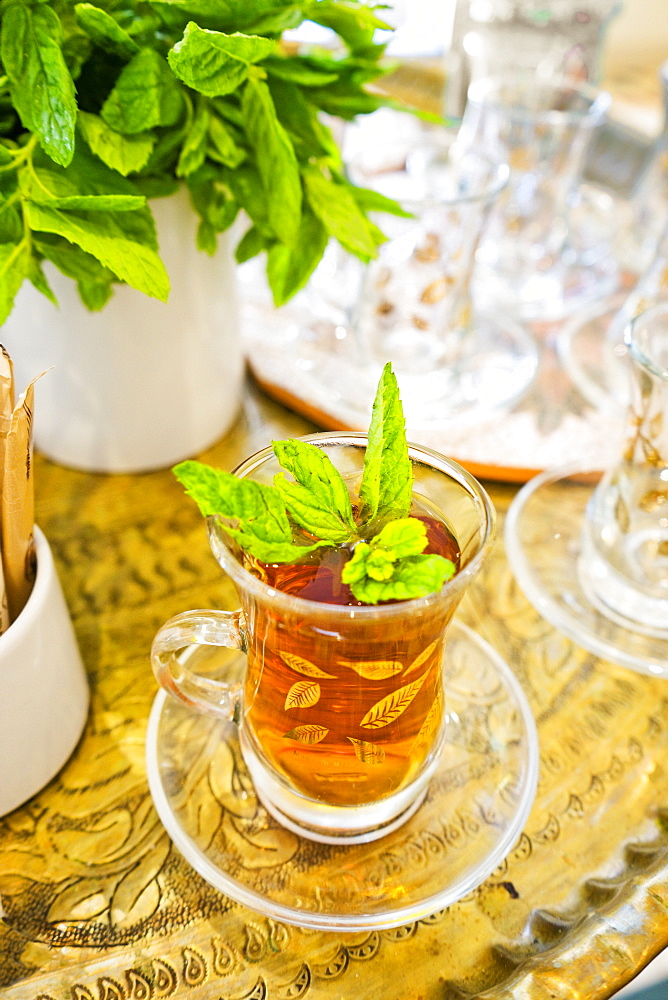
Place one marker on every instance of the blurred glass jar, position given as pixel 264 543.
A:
pixel 560 39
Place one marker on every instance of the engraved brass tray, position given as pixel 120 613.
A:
pixel 97 905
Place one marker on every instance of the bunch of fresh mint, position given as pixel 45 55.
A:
pixel 105 105
pixel 388 560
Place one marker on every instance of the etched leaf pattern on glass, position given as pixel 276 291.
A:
pixel 307 734
pixel 367 753
pixel 305 667
pixel 374 670
pixel 306 694
pixel 392 706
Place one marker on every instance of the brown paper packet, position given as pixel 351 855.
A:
pixel 6 410
pixel 17 506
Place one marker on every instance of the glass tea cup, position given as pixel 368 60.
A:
pixel 414 306
pixel 623 566
pixel 340 711
pixel 547 247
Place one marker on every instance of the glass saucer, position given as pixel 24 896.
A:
pixel 493 371
pixel 472 816
pixel 543 546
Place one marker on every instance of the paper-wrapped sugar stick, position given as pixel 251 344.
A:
pixel 17 506
pixel 6 410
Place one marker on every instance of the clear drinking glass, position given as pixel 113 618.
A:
pixel 414 305
pixel 546 248
pixel 591 345
pixel 341 708
pixel 558 39
pixel 623 567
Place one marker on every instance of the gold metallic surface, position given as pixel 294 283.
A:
pixel 99 906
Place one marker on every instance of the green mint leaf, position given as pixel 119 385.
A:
pixel 391 566
pixel 217 211
pixel 290 267
pixel 71 260
pixel 222 10
pixel 40 83
pixel 275 158
pixel 414 577
pixel 87 174
pixel 38 280
pixel 214 63
pixel 251 244
pixel 343 101
pixel 373 201
pixel 145 95
pixel 193 150
pixel 270 551
pixel 387 481
pixel 11 221
pixel 246 185
pixel 377 559
pixel 263 526
pixel 276 22
pixel 319 500
pixel 355 23
pixel 229 111
pixel 338 211
pixel 94 282
pixel 95 294
pixel 222 146
pixel 125 153
pixel 104 30
pixel 48 187
pixel 103 235
pixel 407 536
pixel 299 71
pixel 311 138
pixel 15 265
pixel 207 238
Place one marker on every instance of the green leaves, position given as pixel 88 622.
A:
pixel 171 92
pixel 193 150
pixel 263 528
pixel 14 267
pixel 125 153
pixel 146 94
pixel 337 209
pixel 275 158
pixel 388 478
pixel 290 267
pixel 104 30
pixel 391 567
pixel 318 500
pixel 40 83
pixel 105 238
pixel 215 63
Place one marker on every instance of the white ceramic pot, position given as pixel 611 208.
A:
pixel 141 384
pixel 43 688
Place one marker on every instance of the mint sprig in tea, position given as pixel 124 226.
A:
pixel 379 536
pixel 346 707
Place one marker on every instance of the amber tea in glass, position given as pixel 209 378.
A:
pixel 342 704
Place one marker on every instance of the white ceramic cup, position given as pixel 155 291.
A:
pixel 43 688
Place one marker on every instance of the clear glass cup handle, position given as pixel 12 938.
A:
pixel 173 645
